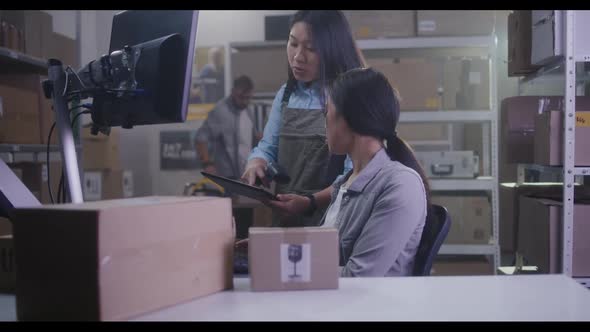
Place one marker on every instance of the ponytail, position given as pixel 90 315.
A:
pixel 398 150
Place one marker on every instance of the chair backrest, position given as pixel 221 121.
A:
pixel 436 228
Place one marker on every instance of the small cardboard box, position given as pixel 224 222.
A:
pixel 520 43
pixel 417 81
pixel 455 22
pixel 116 259
pixel 540 227
pixel 7 265
pixel 101 153
pixel 108 184
pixel 471 221
pixel 19 116
pixel 293 258
pixel 33 83
pixel 258 64
pixel 548 141
pixel 375 24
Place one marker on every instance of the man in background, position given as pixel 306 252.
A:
pixel 211 78
pixel 229 131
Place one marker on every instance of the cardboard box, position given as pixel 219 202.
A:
pixel 520 43
pixel 35 178
pixel 548 139
pixel 517 131
pixel 293 258
pixel 116 259
pixel 5 226
pixel 457 266
pixel 19 116
pixel 101 154
pixel 423 131
pixel 540 235
pixel 38 26
pixel 466 84
pixel 375 24
pixel 258 63
pixel 455 22
pixel 548 36
pixel 7 264
pixel 417 81
pixel 33 84
pixel 510 194
pixel 109 184
pixel 64 49
pixel 471 218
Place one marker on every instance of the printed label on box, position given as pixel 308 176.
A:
pixel 92 186
pixel 295 262
pixel 474 77
pixel 426 25
pixel 583 119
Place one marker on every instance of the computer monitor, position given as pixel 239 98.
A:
pixel 162 73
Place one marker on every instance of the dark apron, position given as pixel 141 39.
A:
pixel 303 152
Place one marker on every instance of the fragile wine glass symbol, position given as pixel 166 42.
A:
pixel 295 252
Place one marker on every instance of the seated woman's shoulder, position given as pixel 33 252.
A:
pixel 400 174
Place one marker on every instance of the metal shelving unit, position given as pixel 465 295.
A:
pixel 13 61
pixel 488 118
pixel 577 49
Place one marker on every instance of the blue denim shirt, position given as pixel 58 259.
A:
pixel 306 98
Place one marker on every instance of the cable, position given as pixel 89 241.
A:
pixel 76 74
pixel 66 84
pixel 48 172
pixel 61 179
pixel 78 115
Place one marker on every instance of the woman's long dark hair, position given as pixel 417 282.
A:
pixel 332 39
pixel 370 107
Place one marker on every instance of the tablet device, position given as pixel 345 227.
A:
pixel 240 188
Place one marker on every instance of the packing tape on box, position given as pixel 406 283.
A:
pixel 582 119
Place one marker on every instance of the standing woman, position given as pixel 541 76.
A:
pixel 320 47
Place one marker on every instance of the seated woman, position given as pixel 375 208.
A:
pixel 380 207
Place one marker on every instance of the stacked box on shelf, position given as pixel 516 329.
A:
pixel 376 24
pixel 266 66
pixel 104 177
pixel 540 229
pixel 510 194
pixel 519 43
pixel 36 31
pixel 19 116
pixel 36 176
pixel 455 22
pixel 470 217
pixel 46 116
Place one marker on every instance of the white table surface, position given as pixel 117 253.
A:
pixel 488 298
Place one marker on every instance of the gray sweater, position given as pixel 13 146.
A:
pixel 381 218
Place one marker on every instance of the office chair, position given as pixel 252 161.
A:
pixel 437 226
